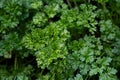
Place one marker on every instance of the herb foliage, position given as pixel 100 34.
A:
pixel 59 39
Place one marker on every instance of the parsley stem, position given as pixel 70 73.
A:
pixel 69 4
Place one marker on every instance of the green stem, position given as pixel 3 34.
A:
pixel 69 4
pixel 41 72
pixel 75 3
pixel 86 77
pixel 88 1
pixel 15 62
pixel 104 8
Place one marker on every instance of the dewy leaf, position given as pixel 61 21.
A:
pixel 36 4
pixel 93 71
pixel 39 19
pixel 52 10
pixel 105 76
pixel 87 18
pixel 111 71
pixel 78 77
pixel 104 61
pixel 48 42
